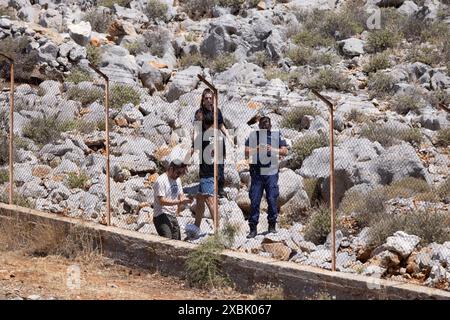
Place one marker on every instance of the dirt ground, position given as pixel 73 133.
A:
pixel 53 277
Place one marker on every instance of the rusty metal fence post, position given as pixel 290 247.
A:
pixel 332 178
pixel 108 182
pixel 11 128
pixel 216 152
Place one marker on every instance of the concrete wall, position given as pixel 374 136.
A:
pixel 169 256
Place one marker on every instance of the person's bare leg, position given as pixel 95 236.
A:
pixel 210 204
pixel 199 210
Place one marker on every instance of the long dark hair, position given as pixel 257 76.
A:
pixel 207 90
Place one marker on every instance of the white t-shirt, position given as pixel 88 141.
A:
pixel 167 188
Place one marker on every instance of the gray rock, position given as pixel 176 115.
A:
pixel 402 243
pixel 59 194
pixel 17 4
pixel 289 183
pixel 151 78
pixel 5 23
pixel 352 47
pixel 236 112
pixel 50 87
pixel 80 33
pixel 33 189
pixel 389 3
pixel 48 53
pixel 437 275
pixel 23 174
pixel 119 65
pixel 313 4
pixel 29 14
pixel 51 19
pixel 56 150
pixel 66 166
pixel 183 82
pixel 297 206
pixel 135 164
pixel 408 8
pixel 242 74
pixel 374 271
pixel 339 237
pixel 136 146
pixel 217 42
pixel 433 119
pixel 307 246
pixel 77 53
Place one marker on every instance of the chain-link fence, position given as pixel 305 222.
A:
pixel 391 193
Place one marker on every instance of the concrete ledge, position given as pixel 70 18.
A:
pixel 168 257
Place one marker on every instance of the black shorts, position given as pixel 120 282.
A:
pixel 167 226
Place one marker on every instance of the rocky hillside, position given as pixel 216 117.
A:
pixel 384 63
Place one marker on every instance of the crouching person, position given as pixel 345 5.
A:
pixel 169 196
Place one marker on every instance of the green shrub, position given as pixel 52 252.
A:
pixel 428 225
pixel 110 3
pixel 411 135
pixel 123 94
pixel 318 226
pixel 312 188
pixel 203 265
pixel 77 181
pixel 329 79
pixel 312 39
pixel 25 61
pixel 4 176
pixel 381 85
pixel 188 60
pixel 427 55
pixel 275 73
pixel 404 103
pixel 43 130
pixel 100 21
pixel 439 97
pixel 18 200
pixel 94 54
pixel 134 48
pixel 380 40
pixel 78 75
pixel 197 9
pixel 86 97
pixel 377 62
pixel 234 5
pixel 222 62
pixel 443 137
pixel 156 10
pixel 357 116
pixel 305 56
pixel 292 119
pixel 436 33
pixel 260 58
pixel 389 135
pixel 304 146
pixel 4 148
pixel 157 41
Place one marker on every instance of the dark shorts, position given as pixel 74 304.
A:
pixel 167 226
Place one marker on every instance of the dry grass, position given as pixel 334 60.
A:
pixel 43 239
pixel 268 291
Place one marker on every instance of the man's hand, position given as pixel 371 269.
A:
pixel 184 200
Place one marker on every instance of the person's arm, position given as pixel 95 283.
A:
pixel 168 202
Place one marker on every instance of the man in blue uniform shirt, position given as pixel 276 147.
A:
pixel 264 147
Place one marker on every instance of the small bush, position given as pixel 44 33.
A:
pixel 275 73
pixel 305 56
pixel 204 264
pixel 427 55
pixel 86 97
pixel 443 137
pixel 261 59
pixel 318 226
pixel 312 188
pixel 329 79
pixel 428 225
pixel 312 39
pixel 234 5
pixel 4 176
pixel 43 130
pixel 222 62
pixel 304 146
pixel 293 118
pixel 18 200
pixel 377 62
pixel 157 41
pixel 78 75
pixel 439 97
pixel 380 85
pixel 388 136
pixel 156 10
pixel 188 60
pixel 197 9
pixel 411 135
pixel 8 12
pixel 100 21
pixel 134 48
pixel 4 148
pixel 123 94
pixel 404 103
pixel 94 54
pixel 110 3
pixel 380 40
pixel 75 180
pixel 268 292
pixel 357 116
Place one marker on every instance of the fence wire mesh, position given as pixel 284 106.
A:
pixel 391 192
